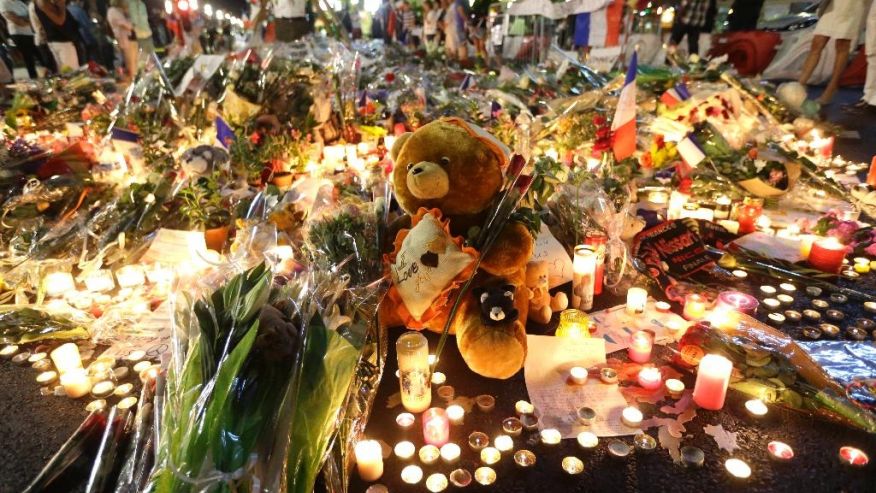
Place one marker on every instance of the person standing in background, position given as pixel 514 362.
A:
pixel 88 50
pixel 62 33
pixel 868 100
pixel 744 15
pixel 839 20
pixel 409 23
pixel 430 26
pixel 692 18
pixel 123 31
pixel 20 32
pixel 39 39
pixel 290 18
pixel 139 17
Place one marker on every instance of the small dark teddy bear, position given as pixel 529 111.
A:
pixel 497 304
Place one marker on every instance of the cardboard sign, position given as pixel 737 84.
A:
pixel 547 248
pixel 678 247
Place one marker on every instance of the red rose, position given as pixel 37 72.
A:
pixel 255 138
pixel 603 133
pixel 389 77
pixel 599 120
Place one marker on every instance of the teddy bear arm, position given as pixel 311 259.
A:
pixel 511 251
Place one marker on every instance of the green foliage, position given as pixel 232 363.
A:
pixel 200 204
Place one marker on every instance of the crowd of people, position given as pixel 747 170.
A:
pixel 57 35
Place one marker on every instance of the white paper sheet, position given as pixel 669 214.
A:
pixel 615 326
pixel 547 248
pixel 771 246
pixel 556 400
pixel 174 247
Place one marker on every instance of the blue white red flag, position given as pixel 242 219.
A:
pixel 623 127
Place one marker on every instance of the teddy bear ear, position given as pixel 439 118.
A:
pixel 399 143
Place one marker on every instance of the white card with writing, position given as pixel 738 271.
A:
pixel 615 325
pixel 547 248
pixel 174 247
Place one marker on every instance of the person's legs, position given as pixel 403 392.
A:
pixel 693 41
pixel 65 55
pixel 678 31
pixel 870 47
pixel 818 44
pixel 843 48
pixel 28 51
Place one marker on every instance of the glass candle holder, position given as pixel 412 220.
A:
pixel 748 213
pixel 412 350
pixel 583 277
pixel 436 427
pixel 637 298
pixel 694 307
pixel 827 255
pixel 573 324
pixel 641 344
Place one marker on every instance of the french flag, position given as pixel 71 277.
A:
pixel 601 27
pixel 224 133
pixel 466 82
pixel 623 127
pixel 675 95
pixel 690 151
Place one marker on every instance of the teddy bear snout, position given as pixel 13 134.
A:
pixel 427 180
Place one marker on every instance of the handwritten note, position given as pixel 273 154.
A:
pixel 556 400
pixel 772 246
pixel 547 248
pixel 151 333
pixel 174 247
pixel 615 326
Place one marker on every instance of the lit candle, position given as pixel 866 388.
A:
pixel 550 436
pixel 490 455
pixel 787 287
pixel 573 324
pixel 694 307
pixel 756 407
pixel 662 306
pixel 103 389
pixel 412 349
pixel 524 458
pixel 127 403
pixel 572 465
pixel 852 456
pixel 768 290
pixel 862 268
pixel 369 460
pixel 9 351
pixel 677 199
pixel 438 378
pixel 780 451
pixel 412 474
pixel 503 443
pixel 58 283
pixel 588 440
pixel 736 301
pixel 66 357
pixel 123 389
pixel 738 468
pixel 771 303
pixel 785 299
pixel 76 383
pixel 436 427
pixel 404 450
pixel 637 298
pixel 741 274
pixel 583 277
pixel 429 454
pixel 713 377
pixel 436 482
pixel 450 453
pixel 578 375
pixel 405 420
pixel 456 414
pixel 524 407
pixel 641 343
pixel 827 255
pixel 631 417
pixel 674 387
pixel 46 377
pixel 478 440
pixel 650 378
pixel 485 476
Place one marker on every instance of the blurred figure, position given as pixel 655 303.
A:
pixel 39 39
pixel 20 32
pixel 455 21
pixel 868 100
pixel 409 23
pixel 139 17
pixel 745 15
pixel 692 18
pixel 62 33
pixel 123 31
pixel 839 20
pixel 290 18
pixel 430 26
pixel 88 49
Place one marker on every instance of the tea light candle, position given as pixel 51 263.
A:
pixel 650 378
pixel 644 442
pixel 485 476
pixel 856 333
pixel 436 427
pixel 738 468
pixel 713 377
pixel 776 319
pixel 404 450
pixel 573 465
pixel 862 268
pixel 834 315
pixel 512 426
pixel 8 351
pixel 771 303
pixel 586 415
pixel 102 389
pixel 852 456
pixel 438 378
pixel 503 443
pixel 456 414
pixel 76 383
pixel 405 420
pixel 436 482
pixel 609 375
pixel 490 455
pixel 870 306
pixel 740 274
pixel 768 290
pixel 662 306
pixel 838 298
pixel 780 451
pixel 142 366
pixel 478 440
pixel 450 453
pixel 95 405
pixel 787 287
pixel 21 358
pixel 123 389
pixel 692 456
pixel 618 449
pixel 694 307
pixel 429 454
pixel 588 440
pixel 42 365
pixel 47 377
pixel 550 436
pixel 827 255
pixel 66 357
pixel 637 298
pixel 33 358
pixel 641 343
pixel 814 291
pixel 631 417
pixel 793 315
pixel 485 402
pixel 756 408
pixel 127 403
pixel 524 458
pixel 812 314
pixel 785 299
pixel 524 407
pixel 674 387
pixel 529 422
pixel 460 478
pixel 412 474
pixel 578 375
pixel 812 333
pixel 446 393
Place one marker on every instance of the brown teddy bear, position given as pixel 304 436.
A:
pixel 542 305
pixel 447 176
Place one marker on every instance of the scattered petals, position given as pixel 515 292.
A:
pixel 726 440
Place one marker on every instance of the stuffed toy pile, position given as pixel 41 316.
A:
pixel 447 176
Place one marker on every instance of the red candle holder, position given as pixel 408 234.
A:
pixel 747 215
pixel 827 255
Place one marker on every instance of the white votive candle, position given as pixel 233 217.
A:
pixel 450 453
pixel 550 436
pixel 756 407
pixel 369 460
pixel 637 298
pixel 503 443
pixel 631 417
pixel 456 414
pixel 66 357
pixel 524 407
pixel 412 474
pixel 76 383
pixel 578 375
pixel 429 454
pixel 404 450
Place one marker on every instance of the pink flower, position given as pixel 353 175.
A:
pixel 843 231
pixel 871 250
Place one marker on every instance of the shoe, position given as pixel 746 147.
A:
pixel 860 107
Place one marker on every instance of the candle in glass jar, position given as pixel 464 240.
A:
pixel 636 300
pixel 748 213
pixel 827 255
pixel 583 277
pixel 412 349
pixel 650 378
pixel 713 377
pixel 641 343
pixel 76 383
pixel 369 460
pixel 436 427
pixel 66 357
pixel 694 307
pixel 574 324
pixel 736 301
